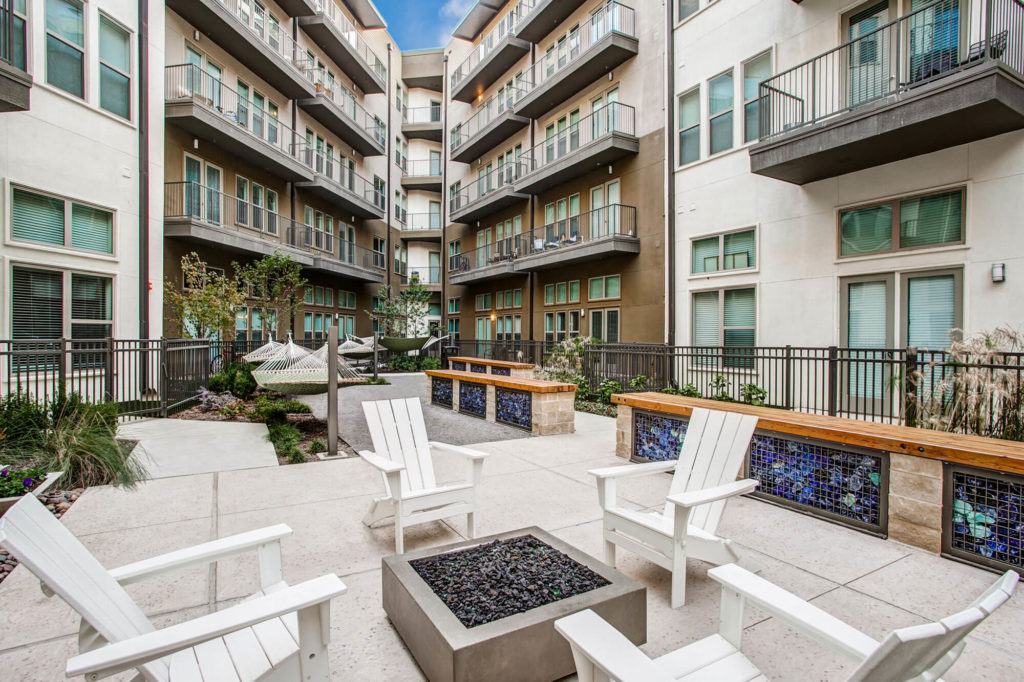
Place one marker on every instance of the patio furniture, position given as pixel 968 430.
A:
pixel 280 633
pixel 402 454
pixel 710 458
pixel 919 652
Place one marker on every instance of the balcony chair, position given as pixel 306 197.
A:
pixel 919 652
pixel 402 454
pixel 709 461
pixel 280 633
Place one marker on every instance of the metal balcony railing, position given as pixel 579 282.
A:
pixel 423 168
pixel 7 47
pixel 430 274
pixel 927 44
pixel 487 183
pixel 271 33
pixel 612 18
pixel 483 50
pixel 346 101
pixel 190 82
pixel 612 119
pixel 423 221
pixel 486 113
pixel 351 35
pixel 558 236
pixel 420 115
pixel 340 173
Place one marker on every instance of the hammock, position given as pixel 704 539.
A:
pixel 401 345
pixel 293 370
pixel 356 348
pixel 264 352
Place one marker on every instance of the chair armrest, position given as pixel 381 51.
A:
pixel 205 553
pixel 795 612
pixel 607 649
pixel 378 462
pixel 458 450
pixel 131 653
pixel 633 470
pixel 719 492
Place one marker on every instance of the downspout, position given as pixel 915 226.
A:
pixel 291 185
pixel 444 204
pixel 144 282
pixel 533 197
pixel 387 182
pixel 670 179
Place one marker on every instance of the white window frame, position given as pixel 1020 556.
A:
pixel 756 267
pixel 10 240
pixel 131 67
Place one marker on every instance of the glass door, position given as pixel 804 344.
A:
pixel 612 209
pixel 867 70
pixel 867 332
pixel 213 184
pixel 193 188
pixel 598 214
pixel 194 72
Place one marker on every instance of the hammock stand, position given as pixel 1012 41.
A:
pixel 296 371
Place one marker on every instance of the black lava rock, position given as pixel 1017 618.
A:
pixel 505 577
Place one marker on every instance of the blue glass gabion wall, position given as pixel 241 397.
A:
pixel 501 371
pixel 441 391
pixel 843 483
pixel 985 518
pixel 473 399
pixel 657 437
pixel 479 369
pixel 458 366
pixel 514 408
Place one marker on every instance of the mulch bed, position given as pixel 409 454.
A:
pixel 502 578
pixel 58 502
pixel 598 408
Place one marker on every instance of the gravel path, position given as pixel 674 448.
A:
pixel 442 424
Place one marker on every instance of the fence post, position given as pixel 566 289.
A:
pixel 787 379
pixel 108 371
pixel 666 368
pixel 909 388
pixel 163 377
pixel 62 366
pixel 833 383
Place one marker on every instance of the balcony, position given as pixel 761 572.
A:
pixel 337 109
pixel 423 123
pixel 336 36
pixel 246 33
pixel 338 183
pixel 493 261
pixel 600 44
pixel 200 215
pixel 298 8
pixel 15 83
pixel 428 277
pixel 538 18
pixel 206 108
pixel 493 123
pixel 496 53
pixel 422 227
pixel 939 77
pixel 596 140
pixel 424 69
pixel 492 191
pixel 422 174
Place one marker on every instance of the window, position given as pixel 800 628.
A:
pixel 931 308
pixel 65 46
pixel 725 318
pixel 685 8
pixel 309 295
pixel 346 326
pixel 378 191
pixel 60 222
pixel 318 295
pixel 454 306
pixel 720 96
pixel 115 69
pixel 561 325
pixel 755 71
pixel 483 302
pixel 730 251
pixel 346 299
pixel 38 310
pixel 18 33
pixel 401 260
pixel 689 126
pixel 604 287
pixel 604 324
pixel 379 256
pixel 916 222
pixel 454 329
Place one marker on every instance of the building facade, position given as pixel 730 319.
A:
pixel 555 174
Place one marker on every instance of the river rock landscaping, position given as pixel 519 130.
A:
pixel 58 502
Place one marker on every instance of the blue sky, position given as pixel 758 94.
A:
pixel 420 24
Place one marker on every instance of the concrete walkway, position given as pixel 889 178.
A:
pixel 177 447
pixel 875 585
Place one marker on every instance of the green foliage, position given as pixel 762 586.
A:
pixel 720 388
pixel 317 446
pixel 688 391
pixel 565 361
pixel 402 363
pixel 753 394
pixel 236 378
pixel 597 408
pixel 379 381
pixel 638 383
pixel 275 286
pixel 69 405
pixel 17 482
pixel 403 315
pixel 22 420
pixel 286 439
pixel 234 409
pixel 205 306
pixel 83 445
pixel 427 362
pixel 271 410
pixel 608 388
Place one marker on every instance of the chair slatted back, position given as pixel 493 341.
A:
pixel 712 454
pixel 399 434
pixel 925 652
pixel 43 544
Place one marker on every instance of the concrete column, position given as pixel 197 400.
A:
pixel 915 501
pixel 492 403
pixel 554 413
pixel 624 432
pixel 455 395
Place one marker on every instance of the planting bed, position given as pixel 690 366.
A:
pixel 58 502
pixel 503 578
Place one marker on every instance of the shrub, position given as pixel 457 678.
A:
pixel 211 401
pixel 317 446
pixel 403 363
pixel 68 405
pixel 17 482
pixel 236 377
pixel 688 391
pixel 23 421
pixel 608 388
pixel 427 362
pixel 276 410
pixel 638 383
pixel 720 389
pixel 286 439
pixel 753 394
pixel 84 447
pixel 565 361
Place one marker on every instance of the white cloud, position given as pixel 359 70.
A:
pixel 451 13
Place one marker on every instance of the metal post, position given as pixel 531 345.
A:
pixel 833 383
pixel 910 388
pixel 108 371
pixel 163 378
pixel 787 379
pixel 332 391
pixel 376 338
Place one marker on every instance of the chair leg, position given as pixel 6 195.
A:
pixel 399 539
pixel 471 524
pixel 678 578
pixel 609 553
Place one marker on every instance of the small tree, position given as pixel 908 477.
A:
pixel 402 315
pixel 205 305
pixel 275 286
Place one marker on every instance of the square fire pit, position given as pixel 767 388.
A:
pixel 485 609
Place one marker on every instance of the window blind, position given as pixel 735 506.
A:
pixel 738 250
pixel 866 230
pixel 867 321
pixel 612 286
pixel 931 311
pixel 931 220
pixel 37 304
pixel 739 318
pixel 705 255
pixel 92 229
pixel 90 307
pixel 37 218
pixel 611 334
pixel 705 319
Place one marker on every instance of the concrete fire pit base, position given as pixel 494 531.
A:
pixel 523 647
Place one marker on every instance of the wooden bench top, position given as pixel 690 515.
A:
pixel 531 385
pixel 987 453
pixel 493 363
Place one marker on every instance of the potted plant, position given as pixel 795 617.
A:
pixel 14 483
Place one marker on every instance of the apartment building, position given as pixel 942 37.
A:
pixel 847 173
pixel 277 140
pixel 556 172
pixel 81 169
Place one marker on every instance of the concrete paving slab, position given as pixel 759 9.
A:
pixel 179 447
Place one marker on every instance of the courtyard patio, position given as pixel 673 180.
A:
pixel 873 584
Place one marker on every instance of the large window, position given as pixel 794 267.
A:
pixel 40 310
pixel 65 46
pixel 720 106
pixel 115 69
pixel 729 251
pixel 562 325
pixel 52 220
pixel 562 292
pixel 689 126
pixel 915 222
pixel 728 318
pixel 754 72
pixel 604 288
pixel 604 324
pixel 18 34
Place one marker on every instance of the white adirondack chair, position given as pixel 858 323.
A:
pixel 279 634
pixel 402 455
pixel 920 653
pixel 705 478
